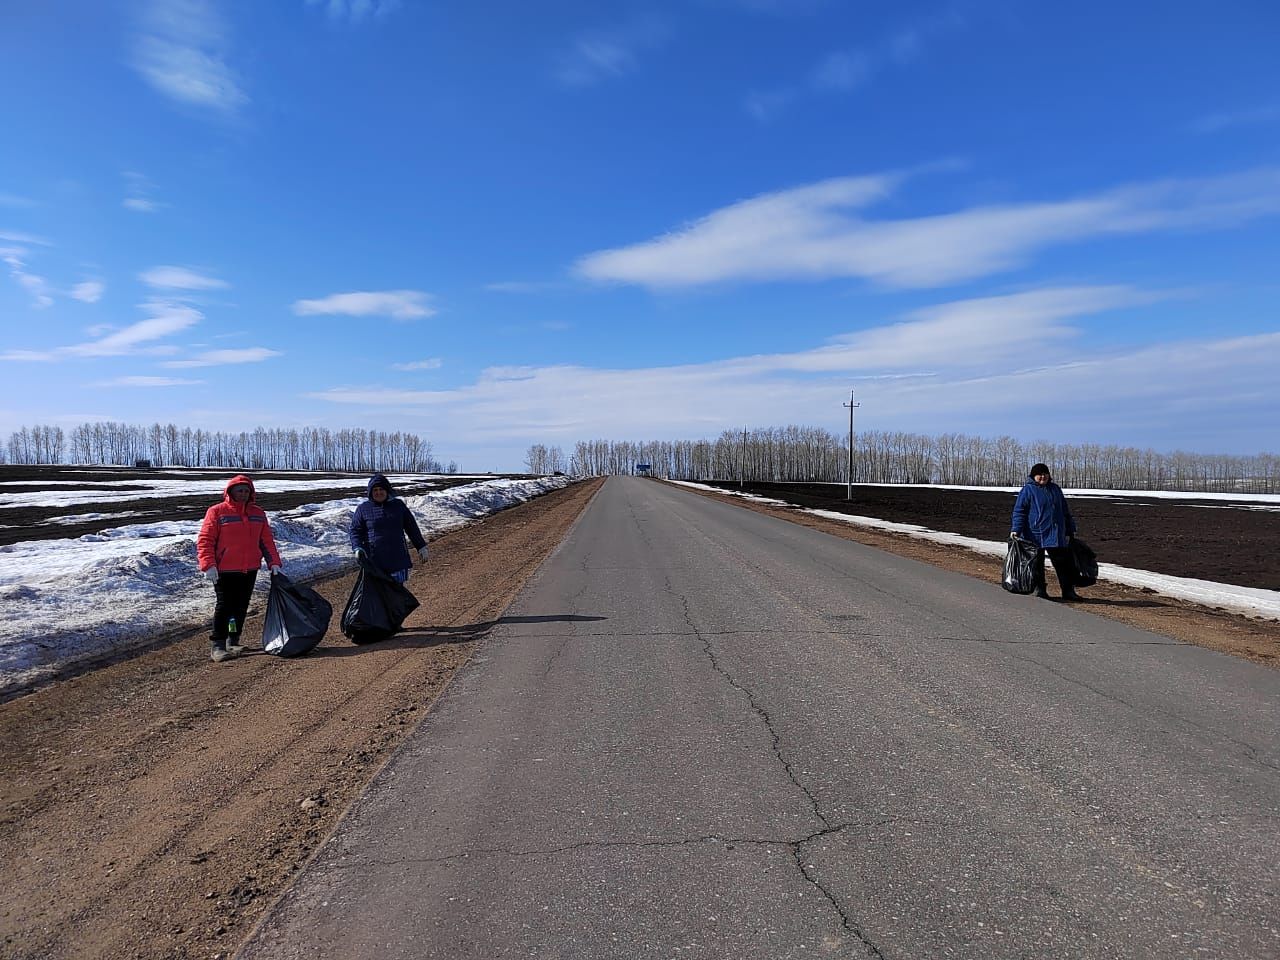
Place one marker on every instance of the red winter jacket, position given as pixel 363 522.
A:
pixel 236 537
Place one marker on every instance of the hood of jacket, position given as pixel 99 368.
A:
pixel 235 481
pixel 379 480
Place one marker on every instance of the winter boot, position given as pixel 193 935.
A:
pixel 233 638
pixel 1070 595
pixel 1042 593
pixel 218 652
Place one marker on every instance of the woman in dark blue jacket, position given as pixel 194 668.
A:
pixel 378 529
pixel 1041 516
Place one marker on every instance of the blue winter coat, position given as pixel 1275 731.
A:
pixel 1041 515
pixel 379 529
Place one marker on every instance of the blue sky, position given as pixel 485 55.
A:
pixel 498 224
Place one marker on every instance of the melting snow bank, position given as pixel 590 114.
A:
pixel 1247 600
pixel 66 601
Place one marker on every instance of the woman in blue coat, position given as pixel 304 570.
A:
pixel 1041 516
pixel 378 529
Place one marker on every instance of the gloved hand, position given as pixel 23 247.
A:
pixel 1014 536
pixel 422 553
pixel 275 568
pixel 211 574
pixel 360 554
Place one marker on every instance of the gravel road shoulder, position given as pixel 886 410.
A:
pixel 157 806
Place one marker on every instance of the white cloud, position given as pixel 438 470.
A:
pixel 181 52
pixel 522 286
pixel 764 106
pixel 145 382
pixel 1215 392
pixel 813 233
pixel 966 334
pixel 36 286
pixel 397 304
pixel 842 71
pixel 13 200
pixel 593 60
pixel 166 319
pixel 947 342
pixel 356 11
pixel 88 291
pixel 609 54
pixel 212 358
pixel 11 236
pixel 431 363
pixel 179 278
pixel 139 188
pixel 28 356
pixel 1245 117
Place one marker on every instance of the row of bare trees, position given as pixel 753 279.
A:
pixel 802 453
pixel 309 448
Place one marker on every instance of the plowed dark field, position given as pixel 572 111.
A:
pixel 1222 541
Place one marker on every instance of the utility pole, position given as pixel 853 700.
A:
pixel 852 404
pixel 742 476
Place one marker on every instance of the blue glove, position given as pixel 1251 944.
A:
pixel 275 568
pixel 422 553
pixel 211 574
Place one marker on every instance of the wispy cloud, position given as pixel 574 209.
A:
pixel 523 286
pixel 145 382
pixel 181 51
pixel 166 318
pixel 13 236
pixel 88 291
pixel 814 232
pixel 1245 117
pixel 609 54
pixel 13 200
pixel 356 11
pixel 36 286
pixel 765 105
pixel 845 70
pixel 179 278
pixel 215 358
pixel 29 356
pixel 917 373
pixel 139 189
pixel 431 363
pixel 397 304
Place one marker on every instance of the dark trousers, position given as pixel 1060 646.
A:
pixel 1063 565
pixel 233 591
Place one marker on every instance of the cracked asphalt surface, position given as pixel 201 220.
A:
pixel 701 731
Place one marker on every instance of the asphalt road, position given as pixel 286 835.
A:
pixel 704 732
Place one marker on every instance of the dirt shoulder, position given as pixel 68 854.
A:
pixel 1251 638
pixel 156 807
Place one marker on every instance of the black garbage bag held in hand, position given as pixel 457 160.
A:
pixel 377 607
pixel 297 618
pixel 1019 566
pixel 1085 561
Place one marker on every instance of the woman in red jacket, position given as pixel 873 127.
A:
pixel 234 539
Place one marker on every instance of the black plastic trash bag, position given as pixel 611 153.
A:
pixel 1086 563
pixel 377 607
pixel 1020 566
pixel 297 618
